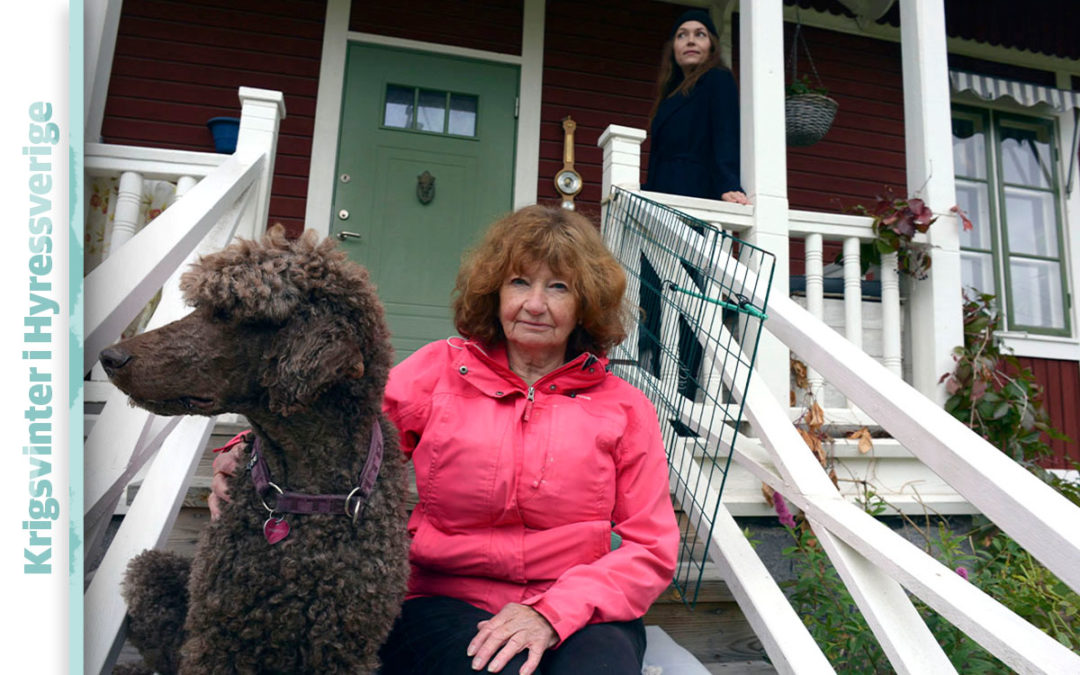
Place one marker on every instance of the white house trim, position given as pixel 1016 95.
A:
pixel 764 159
pixel 1041 346
pixel 433 47
pixel 1070 207
pixel 336 39
pixel 324 139
pixel 928 151
pixel 530 95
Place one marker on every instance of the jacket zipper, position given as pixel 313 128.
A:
pixel 529 403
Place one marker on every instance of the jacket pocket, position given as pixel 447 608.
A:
pixel 465 554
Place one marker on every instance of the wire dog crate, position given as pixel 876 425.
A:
pixel 703 294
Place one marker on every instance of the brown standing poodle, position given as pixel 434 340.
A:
pixel 291 335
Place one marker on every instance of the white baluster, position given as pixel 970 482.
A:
pixel 183 184
pixel 815 300
pixel 853 327
pixel 128 205
pixel 892 357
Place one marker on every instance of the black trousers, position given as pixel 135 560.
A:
pixel 430 637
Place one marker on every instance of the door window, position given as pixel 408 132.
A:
pixel 430 111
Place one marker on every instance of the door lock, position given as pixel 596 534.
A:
pixel 343 235
pixel 343 214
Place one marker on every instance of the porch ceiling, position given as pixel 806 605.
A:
pixel 1048 27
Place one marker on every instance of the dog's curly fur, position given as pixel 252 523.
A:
pixel 291 335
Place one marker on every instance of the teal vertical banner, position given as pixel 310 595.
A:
pixel 77 107
pixel 41 115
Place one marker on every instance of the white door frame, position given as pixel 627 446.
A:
pixel 336 39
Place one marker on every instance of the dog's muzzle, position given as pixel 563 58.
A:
pixel 113 359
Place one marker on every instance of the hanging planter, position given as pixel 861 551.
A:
pixel 808 117
pixel 808 110
pixel 224 130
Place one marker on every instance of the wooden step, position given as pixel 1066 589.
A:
pixel 714 632
pixel 713 589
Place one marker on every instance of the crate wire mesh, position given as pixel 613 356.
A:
pixel 703 295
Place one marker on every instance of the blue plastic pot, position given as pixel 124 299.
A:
pixel 224 130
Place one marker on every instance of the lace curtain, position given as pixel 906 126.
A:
pixel 157 195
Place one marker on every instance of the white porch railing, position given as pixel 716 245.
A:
pixel 815 229
pixel 219 197
pixel 879 567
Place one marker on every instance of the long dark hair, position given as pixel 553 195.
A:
pixel 672 82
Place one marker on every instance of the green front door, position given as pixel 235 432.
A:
pixel 425 162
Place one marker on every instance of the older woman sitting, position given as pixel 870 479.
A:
pixel 529 457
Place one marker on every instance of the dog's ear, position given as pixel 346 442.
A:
pixel 311 356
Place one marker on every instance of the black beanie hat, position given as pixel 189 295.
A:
pixel 694 15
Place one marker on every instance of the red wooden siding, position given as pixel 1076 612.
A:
pixel 864 150
pixel 600 67
pixel 490 25
pixel 863 153
pixel 1061 396
pixel 177 64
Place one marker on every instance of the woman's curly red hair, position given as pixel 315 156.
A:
pixel 570 245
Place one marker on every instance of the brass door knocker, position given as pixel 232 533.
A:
pixel 425 187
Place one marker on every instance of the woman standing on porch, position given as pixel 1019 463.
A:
pixel 544 528
pixel 694 124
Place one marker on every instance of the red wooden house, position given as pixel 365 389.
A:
pixel 177 64
pixel 464 101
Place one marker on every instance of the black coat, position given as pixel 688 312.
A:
pixel 695 140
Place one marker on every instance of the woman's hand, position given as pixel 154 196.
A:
pixel 224 468
pixel 515 628
pixel 735 196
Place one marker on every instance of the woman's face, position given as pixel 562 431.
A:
pixel 692 44
pixel 538 311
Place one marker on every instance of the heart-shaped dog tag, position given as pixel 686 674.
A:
pixel 275 529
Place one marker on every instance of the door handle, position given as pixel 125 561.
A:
pixel 343 235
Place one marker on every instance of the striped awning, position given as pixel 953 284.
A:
pixel 992 88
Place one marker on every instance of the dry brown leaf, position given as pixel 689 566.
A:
pixel 816 418
pixel 791 398
pixel 768 493
pixel 833 477
pixel 866 444
pixel 814 443
pixel 798 370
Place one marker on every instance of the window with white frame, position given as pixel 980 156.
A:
pixel 1007 182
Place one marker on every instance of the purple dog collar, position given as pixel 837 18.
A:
pixel 277 500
